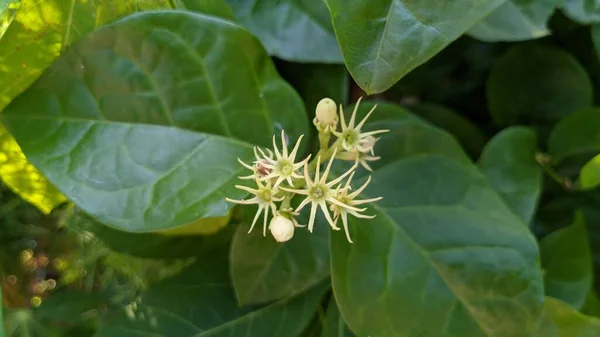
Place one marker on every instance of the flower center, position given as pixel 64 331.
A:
pixel 318 192
pixel 267 195
pixel 285 168
pixel 351 137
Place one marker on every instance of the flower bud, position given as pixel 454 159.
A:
pixel 282 228
pixel 327 112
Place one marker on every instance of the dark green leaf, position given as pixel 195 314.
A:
pixel 22 322
pixel 515 20
pixel 582 11
pixel 577 133
pixel 293 30
pixel 200 302
pixel 536 84
pixel 444 256
pixel 467 133
pixel 334 325
pixel 24 179
pixel 104 123
pixel 561 320
pixel 567 261
pixel 382 40
pixel 67 306
pixel 212 7
pixel 591 306
pixel 263 269
pixel 1 316
pixel 508 161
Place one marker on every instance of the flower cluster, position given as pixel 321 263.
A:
pixel 279 176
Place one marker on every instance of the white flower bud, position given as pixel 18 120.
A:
pixel 327 112
pixel 282 228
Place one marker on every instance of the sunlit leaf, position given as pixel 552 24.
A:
pixel 561 320
pixel 212 7
pixel 582 11
pixel 589 177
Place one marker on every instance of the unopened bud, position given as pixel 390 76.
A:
pixel 327 112
pixel 281 228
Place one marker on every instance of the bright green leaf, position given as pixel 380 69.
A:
pixel 577 133
pixel 508 161
pixel 444 255
pixel 104 123
pixel 567 261
pixel 334 325
pixel 589 177
pixel 561 320
pixel 536 84
pixel 383 40
pixel 24 179
pixel 263 269
pixel 467 133
pixel 212 7
pixel 515 20
pixel 200 302
pixel 293 30
pixel 582 11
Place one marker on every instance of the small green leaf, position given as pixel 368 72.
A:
pixel 515 20
pixel 508 161
pixel 263 269
pixel 334 325
pixel 536 84
pixel 105 122
pixel 567 261
pixel 577 133
pixel 200 302
pixel 582 11
pixel 383 40
pixel 467 133
pixel 292 30
pixel 443 256
pixel 24 179
pixel 561 320
pixel 589 177
pixel 211 7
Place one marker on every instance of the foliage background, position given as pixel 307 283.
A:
pixel 112 121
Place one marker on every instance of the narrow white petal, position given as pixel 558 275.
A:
pixel 360 189
pixel 277 154
pixel 365 201
pixel 366 117
pixel 311 219
pixel 340 178
pixel 304 202
pixel 284 145
pixel 353 117
pixel 344 127
pixel 345 223
pixel 326 173
pixel 254 200
pixel 247 189
pixel 295 150
pixel 341 204
pixel 245 165
pixel 328 216
pixel 260 208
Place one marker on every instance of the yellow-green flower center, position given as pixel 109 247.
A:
pixel 285 168
pixel 318 192
pixel 267 195
pixel 351 137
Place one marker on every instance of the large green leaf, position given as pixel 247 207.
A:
pixel 582 11
pixel 24 179
pixel 567 261
pixel 105 122
pixel 578 133
pixel 508 161
pixel 561 320
pixel 212 7
pixel 536 84
pixel 515 20
pixel 263 269
pixel 444 255
pixel 382 40
pixel 334 325
pixel 293 30
pixel 200 302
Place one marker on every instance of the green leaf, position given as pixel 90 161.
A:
pixel 515 20
pixel 589 177
pixel 443 256
pixel 592 305
pixel 263 269
pixel 334 325
pixel 383 40
pixel 200 302
pixel 508 161
pixel 1 317
pixel 578 133
pixel 292 30
pixel 24 179
pixel 22 322
pixel 536 84
pixel 69 306
pixel 105 122
pixel 567 261
pixel 582 11
pixel 212 7
pixel 561 320
pixel 467 133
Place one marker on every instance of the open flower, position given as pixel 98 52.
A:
pixel 348 200
pixel 352 137
pixel 259 170
pixel 361 157
pixel 283 167
pixel 264 197
pixel 319 192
